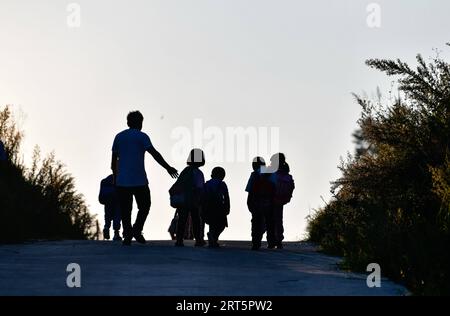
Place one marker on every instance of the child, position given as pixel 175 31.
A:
pixel 284 187
pixel 187 196
pixel 260 202
pixel 108 197
pixel 217 206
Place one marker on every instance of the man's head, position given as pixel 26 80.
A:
pixel 135 120
pixel 218 173
pixel 257 163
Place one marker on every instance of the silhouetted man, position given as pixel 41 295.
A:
pixel 128 155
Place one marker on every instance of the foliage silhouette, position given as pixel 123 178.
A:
pixel 392 203
pixel 39 202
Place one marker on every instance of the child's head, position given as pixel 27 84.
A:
pixel 285 168
pixel 257 163
pixel 196 158
pixel 218 173
pixel 278 159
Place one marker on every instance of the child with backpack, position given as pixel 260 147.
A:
pixel 217 206
pixel 187 194
pixel 284 187
pixel 261 192
pixel 109 198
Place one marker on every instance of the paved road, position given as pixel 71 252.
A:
pixel 158 268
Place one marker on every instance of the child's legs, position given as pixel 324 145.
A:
pixel 215 229
pixel 257 226
pixel 279 229
pixel 197 224
pixel 188 231
pixel 220 229
pixel 270 224
pixel 182 219
pixel 108 217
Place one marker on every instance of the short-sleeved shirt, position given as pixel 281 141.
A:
pixel 251 181
pixel 131 146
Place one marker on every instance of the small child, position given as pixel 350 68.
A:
pixel 284 188
pixel 260 203
pixel 108 197
pixel 217 206
pixel 187 196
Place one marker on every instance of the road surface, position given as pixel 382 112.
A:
pixel 158 268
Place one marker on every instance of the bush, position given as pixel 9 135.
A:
pixel 40 202
pixel 392 204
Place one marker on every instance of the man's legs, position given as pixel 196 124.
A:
pixel 108 217
pixel 116 218
pixel 126 205
pixel 143 201
pixel 116 223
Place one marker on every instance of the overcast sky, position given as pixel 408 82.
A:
pixel 258 64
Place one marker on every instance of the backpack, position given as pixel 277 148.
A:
pixel 284 188
pixel 107 193
pixel 213 203
pixel 180 192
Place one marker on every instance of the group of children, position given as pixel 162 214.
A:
pixel 269 189
pixel 198 202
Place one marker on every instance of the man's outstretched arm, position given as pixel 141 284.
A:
pixel 159 159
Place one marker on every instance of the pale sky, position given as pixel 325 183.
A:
pixel 291 65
